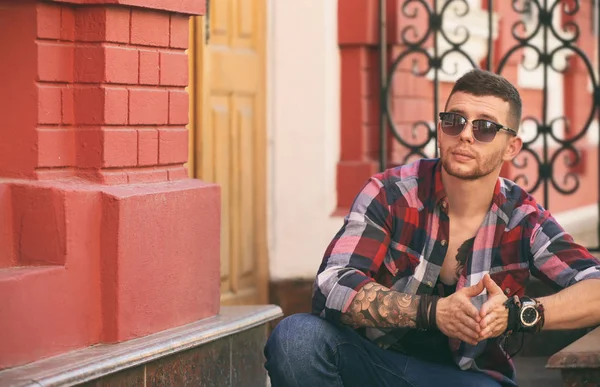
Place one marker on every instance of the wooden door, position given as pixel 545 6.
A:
pixel 228 137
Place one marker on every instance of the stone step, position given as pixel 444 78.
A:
pixel 532 372
pixel 225 350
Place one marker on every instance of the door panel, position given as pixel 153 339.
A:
pixel 228 137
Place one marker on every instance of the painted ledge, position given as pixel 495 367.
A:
pixel 583 353
pixel 101 360
pixel 188 7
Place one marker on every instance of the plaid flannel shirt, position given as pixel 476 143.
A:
pixel 396 234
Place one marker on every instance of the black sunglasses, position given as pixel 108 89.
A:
pixel 452 124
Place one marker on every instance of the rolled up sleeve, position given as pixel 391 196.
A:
pixel 355 254
pixel 556 258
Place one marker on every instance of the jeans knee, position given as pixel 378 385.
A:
pixel 298 337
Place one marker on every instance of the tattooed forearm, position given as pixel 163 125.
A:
pixel 377 306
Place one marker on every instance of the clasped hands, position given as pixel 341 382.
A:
pixel 457 317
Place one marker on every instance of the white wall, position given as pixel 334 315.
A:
pixel 304 131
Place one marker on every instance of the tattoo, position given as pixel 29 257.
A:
pixel 377 306
pixel 462 254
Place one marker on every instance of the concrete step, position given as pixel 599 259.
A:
pixel 224 350
pixel 532 372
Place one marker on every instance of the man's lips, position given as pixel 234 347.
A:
pixel 463 154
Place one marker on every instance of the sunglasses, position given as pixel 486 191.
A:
pixel 452 124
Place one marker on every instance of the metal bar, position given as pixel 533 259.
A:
pixel 383 86
pixel 546 166
pixel 436 81
pixel 490 42
pixel 383 82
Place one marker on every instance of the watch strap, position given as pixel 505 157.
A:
pixel 513 305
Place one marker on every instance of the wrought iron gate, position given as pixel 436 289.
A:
pixel 546 42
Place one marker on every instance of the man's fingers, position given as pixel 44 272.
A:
pixel 470 323
pixel 485 308
pixel 491 317
pixel 490 285
pixel 474 290
pixel 464 338
pixel 487 332
pixel 495 303
pixel 471 311
pixel 471 335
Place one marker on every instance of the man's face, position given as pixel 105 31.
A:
pixel 464 157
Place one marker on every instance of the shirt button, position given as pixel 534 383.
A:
pixel 507 290
pixel 444 204
pixel 443 242
pixel 429 283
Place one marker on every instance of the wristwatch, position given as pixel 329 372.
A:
pixel 525 314
pixel 530 314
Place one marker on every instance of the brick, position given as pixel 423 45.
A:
pixel 100 105
pixel 48 20
pixel 56 147
pixel 371 110
pixel 89 105
pixel 179 34
pixel 55 61
pixel 96 63
pixel 178 107
pixel 352 81
pixel 112 177
pixel 119 147
pixel 68 113
pixel 88 147
pixel 147 147
pixel 116 108
pixel 172 146
pixel 150 28
pixel 147 176
pixel 148 107
pixel 49 104
pixel 178 173
pixel 89 64
pixel 52 174
pixel 357 22
pixel 149 67
pixel 90 24
pixel 102 24
pixel 67 24
pixel 174 69
pixel 121 65
pixel 117 24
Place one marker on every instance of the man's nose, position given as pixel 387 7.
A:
pixel 467 133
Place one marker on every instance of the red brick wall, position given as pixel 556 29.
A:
pixel 103 237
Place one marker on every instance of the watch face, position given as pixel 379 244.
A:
pixel 529 316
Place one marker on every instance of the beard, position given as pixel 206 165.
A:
pixel 484 165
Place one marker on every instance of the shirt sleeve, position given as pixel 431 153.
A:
pixel 355 254
pixel 557 259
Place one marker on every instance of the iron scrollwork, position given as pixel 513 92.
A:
pixel 546 40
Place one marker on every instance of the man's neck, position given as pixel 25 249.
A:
pixel 469 197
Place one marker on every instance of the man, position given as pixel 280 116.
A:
pixel 425 280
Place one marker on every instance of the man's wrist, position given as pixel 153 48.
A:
pixel 525 314
pixel 426 312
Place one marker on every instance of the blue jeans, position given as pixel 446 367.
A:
pixel 306 350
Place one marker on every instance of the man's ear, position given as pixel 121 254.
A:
pixel 513 148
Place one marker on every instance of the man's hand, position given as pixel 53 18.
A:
pixel 457 317
pixel 493 313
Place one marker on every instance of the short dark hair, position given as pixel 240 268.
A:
pixel 485 83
